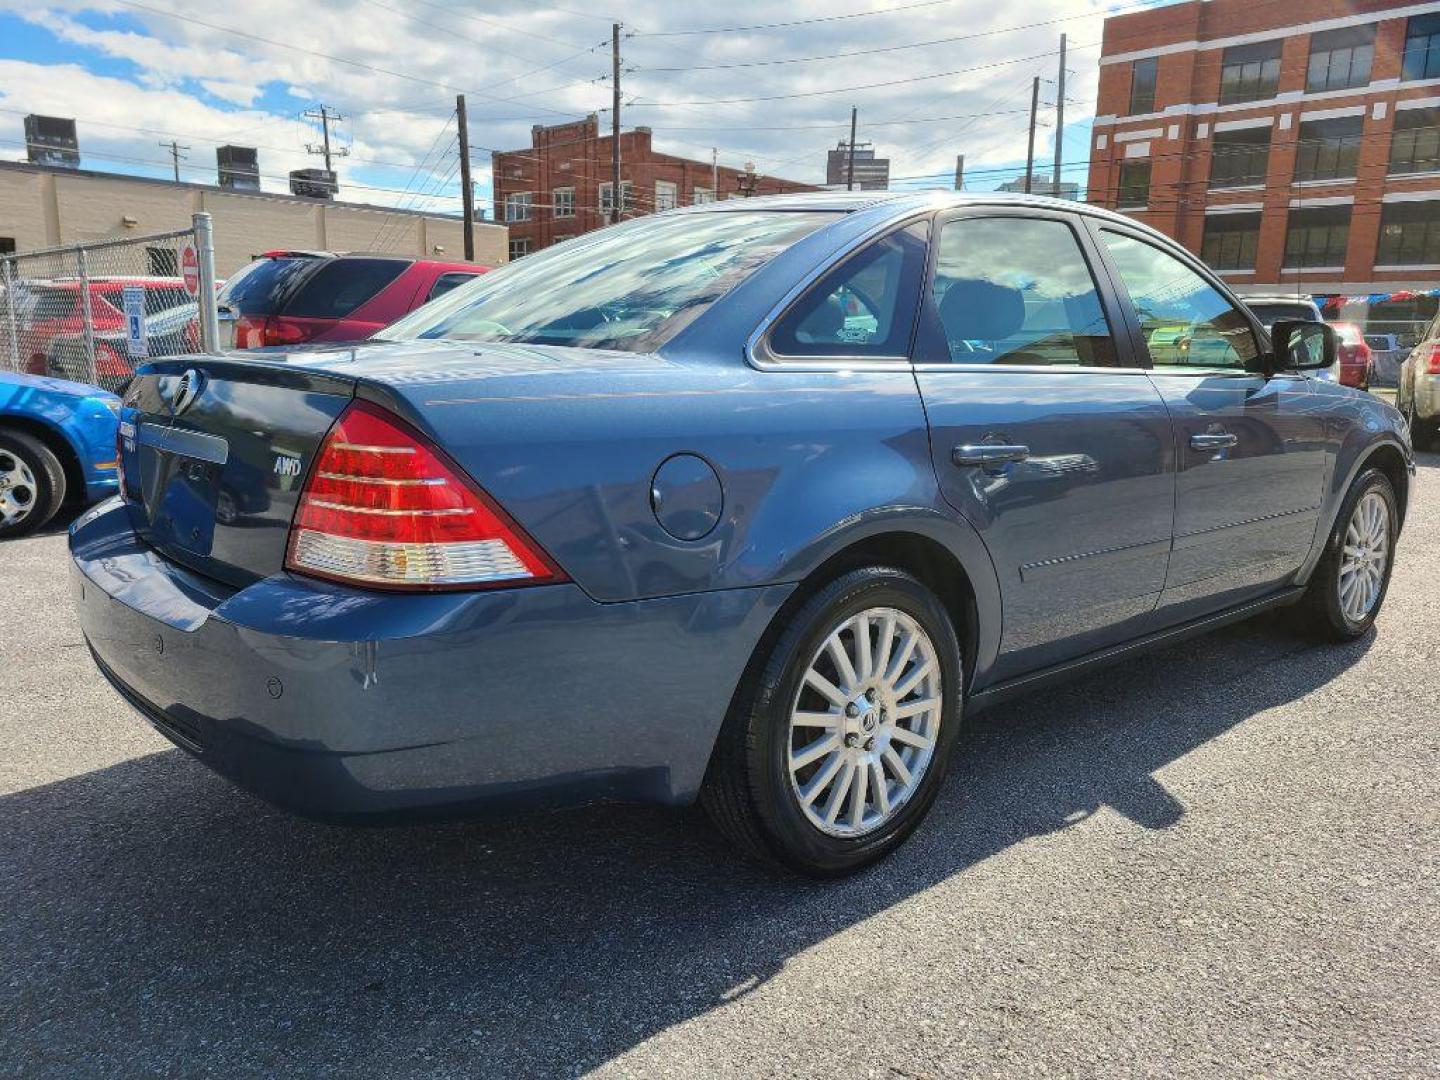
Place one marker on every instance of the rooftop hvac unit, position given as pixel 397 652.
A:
pixel 313 183
pixel 50 140
pixel 239 167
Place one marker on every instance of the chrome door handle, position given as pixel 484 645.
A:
pixel 988 454
pixel 1216 441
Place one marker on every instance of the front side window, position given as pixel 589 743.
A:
pixel 1340 59
pixel 1317 236
pixel 517 206
pixel 1186 321
pixel 1231 241
pixel 1250 72
pixel 1134 189
pixel 1328 149
pixel 629 287
pixel 1421 59
pixel 445 282
pixel 1018 291
pixel 1142 85
pixel 1240 158
pixel 1409 234
pixel 1415 143
pixel 865 307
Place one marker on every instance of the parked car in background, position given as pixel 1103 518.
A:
pixel 747 502
pixel 1269 308
pixel 1417 392
pixel 293 297
pixel 167 333
pixel 57 443
pixel 1357 362
pixel 56 308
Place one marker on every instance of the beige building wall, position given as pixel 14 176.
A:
pixel 49 208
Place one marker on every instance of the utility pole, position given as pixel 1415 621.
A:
pixel 714 172
pixel 1059 115
pixel 467 193
pixel 175 155
pixel 850 162
pixel 1030 153
pixel 615 191
pixel 959 172
pixel 325 115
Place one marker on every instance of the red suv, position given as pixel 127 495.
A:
pixel 289 297
pixel 1357 361
pixel 55 309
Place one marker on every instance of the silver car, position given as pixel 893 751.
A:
pixel 1269 308
pixel 1418 395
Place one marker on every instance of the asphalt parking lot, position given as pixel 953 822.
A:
pixel 1217 860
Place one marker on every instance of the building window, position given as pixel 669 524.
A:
pixel 519 247
pixel 1317 235
pixel 702 195
pixel 1142 85
pixel 564 200
pixel 627 195
pixel 1409 234
pixel 1134 184
pixel 1231 241
pixel 1422 48
pixel 1327 149
pixel 7 245
pixel 1415 144
pixel 1240 157
pixel 1250 72
pixel 667 195
pixel 1340 59
pixel 517 206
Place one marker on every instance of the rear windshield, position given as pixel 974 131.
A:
pixel 55 303
pixel 1270 314
pixel 630 287
pixel 157 297
pixel 308 286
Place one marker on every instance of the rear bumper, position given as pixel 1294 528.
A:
pixel 341 704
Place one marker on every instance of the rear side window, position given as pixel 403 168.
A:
pixel 55 304
pixel 445 282
pixel 865 307
pixel 1018 291
pixel 341 285
pixel 266 285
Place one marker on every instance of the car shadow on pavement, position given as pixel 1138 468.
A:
pixel 157 919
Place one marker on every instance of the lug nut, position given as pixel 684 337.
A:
pixel 870 694
pixel 852 710
pixel 851 740
pixel 870 743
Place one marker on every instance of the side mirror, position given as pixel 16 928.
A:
pixel 1302 346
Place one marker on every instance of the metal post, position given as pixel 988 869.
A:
pixel 87 316
pixel 1030 152
pixel 209 310
pixel 850 158
pixel 1059 115
pixel 15 363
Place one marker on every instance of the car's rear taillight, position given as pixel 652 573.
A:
pixel 257 332
pixel 384 507
pixel 1432 365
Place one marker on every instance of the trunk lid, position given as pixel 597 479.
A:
pixel 214 454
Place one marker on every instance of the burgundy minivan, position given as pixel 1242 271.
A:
pixel 290 297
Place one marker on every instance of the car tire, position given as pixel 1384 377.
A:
pixel 32 484
pixel 777 810
pixel 1422 432
pixel 1348 586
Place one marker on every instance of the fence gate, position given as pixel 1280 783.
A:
pixel 91 312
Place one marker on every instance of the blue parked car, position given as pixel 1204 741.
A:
pixel 750 502
pixel 57 443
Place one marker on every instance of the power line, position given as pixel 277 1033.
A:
pixel 791 22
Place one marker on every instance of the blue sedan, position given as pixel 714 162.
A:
pixel 749 502
pixel 57 444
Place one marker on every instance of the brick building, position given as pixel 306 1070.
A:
pixel 1296 146
pixel 560 186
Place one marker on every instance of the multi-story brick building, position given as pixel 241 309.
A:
pixel 1295 145
pixel 560 186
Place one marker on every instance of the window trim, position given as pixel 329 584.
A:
pixel 528 202
pixel 761 354
pixel 1139 346
pixel 555 203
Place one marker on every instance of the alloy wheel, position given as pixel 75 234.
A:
pixel 1365 557
pixel 17 489
pixel 865 722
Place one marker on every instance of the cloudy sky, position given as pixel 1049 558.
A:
pixel 764 82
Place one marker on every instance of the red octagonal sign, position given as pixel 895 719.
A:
pixel 190 267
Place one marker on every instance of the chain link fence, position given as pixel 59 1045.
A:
pixel 92 312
